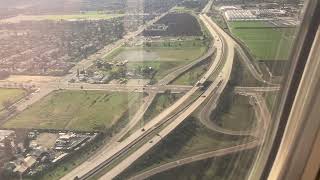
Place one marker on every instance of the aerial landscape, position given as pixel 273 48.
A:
pixel 139 89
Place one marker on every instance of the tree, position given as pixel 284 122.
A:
pixel 8 148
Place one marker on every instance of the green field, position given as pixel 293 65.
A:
pixel 160 102
pixel 181 9
pixel 76 110
pixel 90 15
pixel 240 116
pixel 233 166
pixel 190 138
pixel 249 24
pixel 10 95
pixel 192 76
pixel 271 100
pixel 162 68
pixel 145 54
pixel 162 59
pixel 264 41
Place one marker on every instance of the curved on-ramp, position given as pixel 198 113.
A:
pixel 198 157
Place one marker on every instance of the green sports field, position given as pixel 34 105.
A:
pixel 264 41
pixel 76 110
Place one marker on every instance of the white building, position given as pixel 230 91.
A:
pixel 241 14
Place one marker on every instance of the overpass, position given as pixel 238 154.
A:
pixel 256 89
pixel 217 86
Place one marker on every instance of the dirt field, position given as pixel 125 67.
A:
pixel 46 140
pixel 138 81
pixel 38 79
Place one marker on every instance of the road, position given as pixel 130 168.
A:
pixel 214 88
pixel 194 158
pixel 86 63
pixel 259 133
pixel 179 71
pixel 218 85
pixel 83 64
pixel 94 161
pixel 256 89
pixel 205 119
pixel 223 43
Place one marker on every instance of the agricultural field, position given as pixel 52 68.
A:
pixel 188 139
pixel 91 15
pixel 264 41
pixel 76 110
pixel 10 95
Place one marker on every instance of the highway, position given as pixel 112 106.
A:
pixel 180 70
pixel 107 150
pixel 218 85
pixel 86 63
pixel 62 83
pixel 257 89
pixel 263 117
pixel 104 87
pixel 205 118
pixel 224 47
pixel 216 89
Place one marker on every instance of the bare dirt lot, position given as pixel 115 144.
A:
pixel 46 140
pixel 29 79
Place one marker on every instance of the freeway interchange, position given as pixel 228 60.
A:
pixel 120 155
pixel 159 127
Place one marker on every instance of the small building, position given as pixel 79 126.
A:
pixel 25 164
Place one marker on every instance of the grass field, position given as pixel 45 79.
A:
pixel 162 59
pixel 185 42
pixel 161 102
pixel 10 95
pixel 91 15
pixel 75 110
pixel 271 99
pixel 162 68
pixel 145 54
pixel 240 115
pixel 264 41
pixel 188 139
pixel 234 166
pixel 192 76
